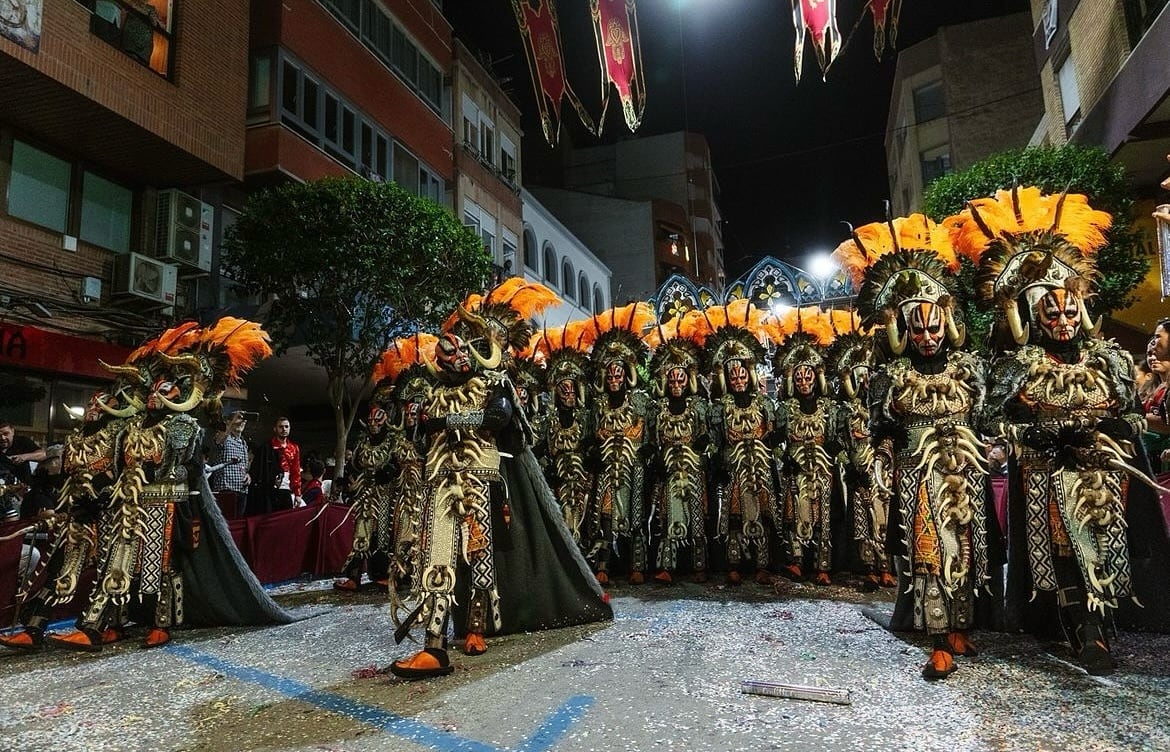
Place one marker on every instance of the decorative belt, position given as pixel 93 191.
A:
pixel 162 493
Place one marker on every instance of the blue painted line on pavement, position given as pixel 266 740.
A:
pixel 546 735
pixel 556 725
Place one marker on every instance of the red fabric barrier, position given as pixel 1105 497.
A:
pixel 999 488
pixel 333 549
pixel 239 531
pixel 9 574
pixel 282 545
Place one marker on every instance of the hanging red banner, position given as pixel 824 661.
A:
pixel 615 26
pixel 818 19
pixel 542 46
pixel 885 24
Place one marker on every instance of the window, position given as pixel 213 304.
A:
pixel 382 35
pixel 508 159
pixel 38 191
pixel 935 163
pixel 470 124
pixel 259 83
pixel 487 141
pixel 929 102
pixel 550 265
pixel 530 259
pixel 598 300
pixel 509 242
pixel 406 169
pixel 567 277
pixel 300 96
pixel 1070 94
pixel 105 213
pixel 583 290
pixel 142 29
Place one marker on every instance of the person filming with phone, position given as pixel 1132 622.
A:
pixel 229 463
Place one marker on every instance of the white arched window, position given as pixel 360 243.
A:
pixel 583 290
pixel 550 264
pixel 567 278
pixel 531 260
pixel 598 300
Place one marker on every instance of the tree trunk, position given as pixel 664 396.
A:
pixel 341 422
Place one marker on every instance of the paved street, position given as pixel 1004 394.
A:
pixel 663 676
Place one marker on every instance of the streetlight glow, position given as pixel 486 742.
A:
pixel 821 265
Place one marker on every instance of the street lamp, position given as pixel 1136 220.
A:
pixel 821 265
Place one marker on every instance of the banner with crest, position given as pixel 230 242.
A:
pixel 619 50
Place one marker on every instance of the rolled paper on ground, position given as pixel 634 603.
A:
pixel 796 692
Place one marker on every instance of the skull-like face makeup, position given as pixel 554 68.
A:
pixel 1059 315
pixel 737 376
pixel 410 412
pixel 925 324
pixel 676 382
pixel 164 387
pixel 567 393
pixel 93 409
pixel 615 377
pixel 803 378
pixel 453 354
pixel 377 418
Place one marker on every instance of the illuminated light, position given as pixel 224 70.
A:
pixel 822 266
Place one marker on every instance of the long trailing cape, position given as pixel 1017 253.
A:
pixel 219 588
pixel 544 582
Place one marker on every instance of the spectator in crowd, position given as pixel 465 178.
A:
pixel 312 491
pixel 276 472
pixel 18 452
pixel 229 463
pixel 1143 379
pixel 1156 439
pixel 45 486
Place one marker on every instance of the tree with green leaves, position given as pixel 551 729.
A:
pixel 351 265
pixel 1123 263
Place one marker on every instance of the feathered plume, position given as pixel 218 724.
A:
pixel 173 341
pixel 404 353
pixel 913 233
pixel 244 343
pixel 1023 211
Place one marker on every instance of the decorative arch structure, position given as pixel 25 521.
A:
pixel 770 283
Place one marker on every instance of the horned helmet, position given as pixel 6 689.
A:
pixel 1036 256
pixel 675 367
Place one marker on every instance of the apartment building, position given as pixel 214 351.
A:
pixel 1103 66
pixel 119 128
pixel 967 92
pixel 487 160
pixel 672 168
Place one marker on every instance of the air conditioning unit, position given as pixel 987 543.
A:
pixel 184 230
pixel 138 276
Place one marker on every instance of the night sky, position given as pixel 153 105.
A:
pixel 792 161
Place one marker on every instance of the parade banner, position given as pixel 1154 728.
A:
pixel 619 50
pixel 885 24
pixel 818 19
pixel 20 21
pixel 1162 224
pixel 542 46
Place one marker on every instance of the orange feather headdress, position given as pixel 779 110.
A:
pixel 872 241
pixel 403 353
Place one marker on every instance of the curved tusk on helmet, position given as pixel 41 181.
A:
pixel 956 332
pixel 118 412
pixel 1091 327
pixel 822 384
pixel 693 383
pixel 124 369
pixel 1021 332
pixel 187 404
pixel 847 385
pixel 491 362
pixel 895 338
